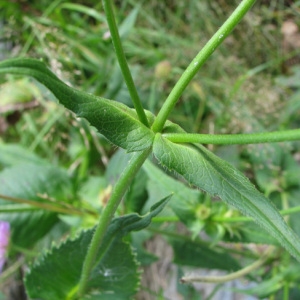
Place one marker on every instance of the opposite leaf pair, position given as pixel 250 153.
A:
pixel 120 125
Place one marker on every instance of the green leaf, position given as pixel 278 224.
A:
pixel 61 269
pixel 136 195
pixel 265 288
pixel 185 200
pixel 116 166
pixel 274 166
pixel 115 275
pixel 29 182
pixel 203 169
pixel 115 121
pixel 191 253
pixel 90 190
pixel 138 240
pixel 128 23
pixel 250 233
pixel 13 154
pixel 83 9
pixel 269 286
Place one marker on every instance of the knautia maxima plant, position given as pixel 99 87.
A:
pixel 99 263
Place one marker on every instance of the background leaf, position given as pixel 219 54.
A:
pixel 138 240
pixel 13 154
pixel 217 177
pixel 29 181
pixel 274 167
pixel 136 195
pixel 270 285
pixel 191 253
pixel 250 232
pixel 184 200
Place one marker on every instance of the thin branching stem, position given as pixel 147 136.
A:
pixel 117 194
pixel 230 139
pixel 283 212
pixel 55 207
pixel 232 276
pixel 198 62
pixel 123 62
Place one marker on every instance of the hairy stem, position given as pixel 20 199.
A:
pixel 123 62
pixel 118 192
pixel 198 61
pixel 230 139
pixel 232 276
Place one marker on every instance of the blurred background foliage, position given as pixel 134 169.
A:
pixel 234 92
pixel 250 84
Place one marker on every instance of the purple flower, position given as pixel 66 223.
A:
pixel 4 240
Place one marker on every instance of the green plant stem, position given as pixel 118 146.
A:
pixel 230 139
pixel 11 270
pixel 232 276
pixel 26 252
pixel 165 219
pixel 283 212
pixel 286 291
pixel 198 62
pixel 47 206
pixel 17 208
pixel 118 192
pixel 108 8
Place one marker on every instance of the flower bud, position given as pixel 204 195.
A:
pixel 162 69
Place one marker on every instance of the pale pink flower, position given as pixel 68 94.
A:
pixel 4 240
